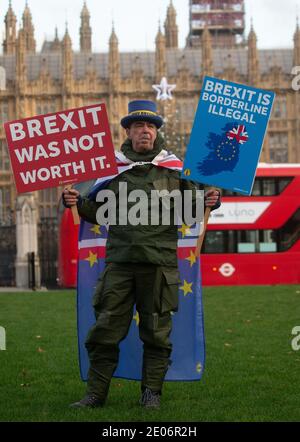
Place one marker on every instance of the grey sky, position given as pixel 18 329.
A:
pixel 136 21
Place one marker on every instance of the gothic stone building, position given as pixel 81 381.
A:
pixel 58 78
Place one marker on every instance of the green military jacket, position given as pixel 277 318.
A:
pixel 155 244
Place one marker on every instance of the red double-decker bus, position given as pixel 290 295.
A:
pixel 250 240
pixel 256 239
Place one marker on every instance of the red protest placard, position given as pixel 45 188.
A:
pixel 56 149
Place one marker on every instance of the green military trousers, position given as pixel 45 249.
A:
pixel 154 290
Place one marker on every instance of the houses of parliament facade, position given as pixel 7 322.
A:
pixel 57 78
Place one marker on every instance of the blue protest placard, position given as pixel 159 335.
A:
pixel 228 134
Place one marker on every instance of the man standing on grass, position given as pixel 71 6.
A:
pixel 141 264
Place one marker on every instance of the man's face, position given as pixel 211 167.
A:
pixel 142 134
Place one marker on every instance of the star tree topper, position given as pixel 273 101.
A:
pixel 164 90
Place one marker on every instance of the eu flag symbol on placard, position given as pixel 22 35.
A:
pixel 224 149
pixel 228 134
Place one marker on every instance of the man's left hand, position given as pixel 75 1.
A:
pixel 211 198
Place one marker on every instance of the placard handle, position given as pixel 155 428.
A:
pixel 201 237
pixel 74 210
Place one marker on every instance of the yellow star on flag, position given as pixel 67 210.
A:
pixel 92 259
pixel 136 318
pixel 192 258
pixel 185 230
pixel 186 287
pixel 96 229
pixel 199 367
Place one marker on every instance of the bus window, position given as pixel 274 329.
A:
pixel 290 232
pixel 283 182
pixel 231 241
pixel 214 242
pixel 267 241
pixel 258 187
pixel 246 247
pixel 220 241
pixel 269 187
pixel 246 241
pixel 256 191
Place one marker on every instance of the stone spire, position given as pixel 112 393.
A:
pixel 28 28
pixel 207 53
pixel 296 61
pixel 253 61
pixel 9 44
pixel 85 30
pixel 67 59
pixel 20 59
pixel 114 61
pixel 21 74
pixel 160 56
pixel 56 44
pixel 171 28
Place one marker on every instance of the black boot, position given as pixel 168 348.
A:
pixel 150 399
pixel 89 401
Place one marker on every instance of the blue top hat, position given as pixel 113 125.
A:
pixel 142 110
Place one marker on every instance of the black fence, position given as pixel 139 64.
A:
pixel 48 251
pixel 8 251
pixel 32 283
pixel 48 254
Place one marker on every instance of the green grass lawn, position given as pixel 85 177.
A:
pixel 251 373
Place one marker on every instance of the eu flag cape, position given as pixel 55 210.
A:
pixel 187 337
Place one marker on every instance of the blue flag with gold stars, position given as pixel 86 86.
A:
pixel 228 134
pixel 187 336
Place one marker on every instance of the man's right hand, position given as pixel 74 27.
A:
pixel 70 197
